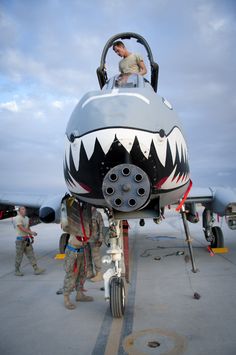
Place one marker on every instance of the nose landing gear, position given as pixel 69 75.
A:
pixel 113 278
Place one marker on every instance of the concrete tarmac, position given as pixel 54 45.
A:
pixel 161 316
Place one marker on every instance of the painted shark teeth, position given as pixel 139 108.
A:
pixel 127 137
pixel 161 149
pixel 75 149
pixel 147 138
pixel 174 181
pixel 106 139
pixel 89 143
pixel 67 150
pixel 176 141
pixel 168 184
pixel 77 188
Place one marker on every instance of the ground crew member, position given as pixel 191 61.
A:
pixel 75 259
pixel 95 242
pixel 24 241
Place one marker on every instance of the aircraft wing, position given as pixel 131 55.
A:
pixel 221 201
pixel 20 199
pixel 47 207
pixel 200 195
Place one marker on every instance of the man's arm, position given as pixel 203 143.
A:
pixel 142 68
pixel 26 230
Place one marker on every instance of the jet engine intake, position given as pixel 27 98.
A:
pixel 50 211
pixel 231 216
pixel 126 187
pixel 47 214
pixel 224 202
pixel 231 221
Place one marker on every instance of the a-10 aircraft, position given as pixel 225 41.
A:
pixel 125 152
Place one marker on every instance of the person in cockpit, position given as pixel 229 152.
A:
pixel 131 62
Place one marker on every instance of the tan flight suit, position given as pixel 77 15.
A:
pixel 129 64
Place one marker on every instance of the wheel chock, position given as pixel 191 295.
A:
pixel 220 250
pixel 59 257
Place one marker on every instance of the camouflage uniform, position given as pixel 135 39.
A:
pixel 76 260
pixel 75 271
pixel 96 237
pixel 23 246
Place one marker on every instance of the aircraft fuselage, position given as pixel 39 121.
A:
pixel 125 148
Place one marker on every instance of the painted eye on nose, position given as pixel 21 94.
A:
pixel 72 137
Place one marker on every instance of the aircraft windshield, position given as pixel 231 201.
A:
pixel 125 81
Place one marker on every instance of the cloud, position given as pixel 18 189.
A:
pixel 50 51
pixel 58 104
pixel 10 106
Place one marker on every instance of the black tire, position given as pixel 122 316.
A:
pixel 63 242
pixel 117 297
pixel 218 240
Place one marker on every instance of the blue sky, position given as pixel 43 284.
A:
pixel 49 52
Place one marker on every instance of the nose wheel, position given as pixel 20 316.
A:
pixel 117 297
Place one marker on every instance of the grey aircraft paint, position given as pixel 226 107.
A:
pixel 126 124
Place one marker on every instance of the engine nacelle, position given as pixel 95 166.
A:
pixel 224 202
pixel 50 211
pixel 231 221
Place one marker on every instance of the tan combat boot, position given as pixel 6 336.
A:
pixel 37 270
pixel 98 277
pixel 67 302
pixel 81 297
pixel 18 272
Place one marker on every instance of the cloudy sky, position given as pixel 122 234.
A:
pixel 49 52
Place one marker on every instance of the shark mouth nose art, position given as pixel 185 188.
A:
pixel 126 187
pixel 88 159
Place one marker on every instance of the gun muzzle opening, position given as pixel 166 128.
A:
pixel 110 191
pixel 138 178
pixel 118 202
pixel 113 177
pixel 132 202
pixel 141 191
pixel 126 171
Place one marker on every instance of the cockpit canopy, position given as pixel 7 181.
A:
pixel 101 70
